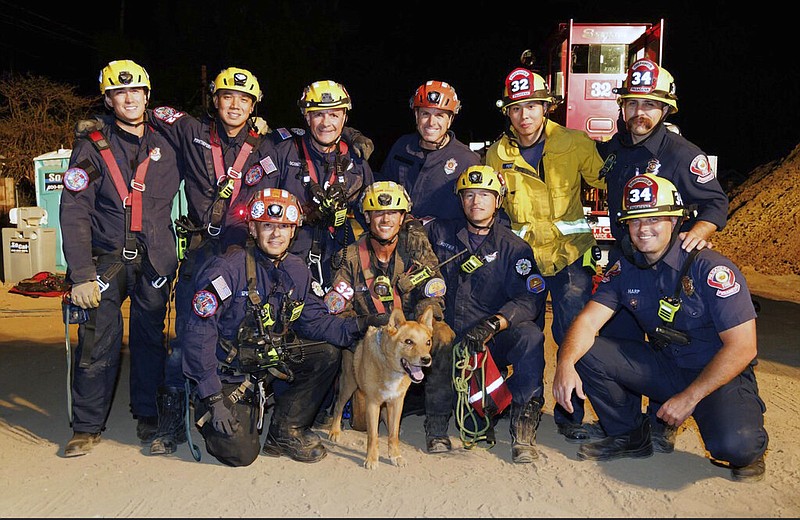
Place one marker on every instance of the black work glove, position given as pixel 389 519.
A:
pixel 475 339
pixel 362 145
pixel 85 127
pixel 371 320
pixel 335 197
pixel 221 418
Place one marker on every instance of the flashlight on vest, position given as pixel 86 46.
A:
pixel 383 288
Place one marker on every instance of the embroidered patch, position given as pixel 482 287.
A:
pixel 653 166
pixel 76 179
pixel 535 283
pixel 268 165
pixel 221 286
pixel 253 175
pixel 611 272
pixel 257 209
pixel 435 288
pixel 204 303
pixel 291 213
pixel 723 280
pixel 491 257
pixel 344 289
pixel 284 133
pixel 155 154
pixel 688 285
pixel 335 302
pixel 298 131
pixel 523 266
pixel 316 288
pixel 701 167
pixel 450 166
pixel 168 114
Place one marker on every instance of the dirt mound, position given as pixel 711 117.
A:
pixel 763 219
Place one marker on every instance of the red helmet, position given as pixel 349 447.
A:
pixel 523 85
pixel 275 205
pixel 436 94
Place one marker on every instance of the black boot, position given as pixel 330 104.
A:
pixel 171 421
pixel 300 444
pixel 524 422
pixel 635 444
pixel 146 428
pixel 436 438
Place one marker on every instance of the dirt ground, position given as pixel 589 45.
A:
pixel 119 479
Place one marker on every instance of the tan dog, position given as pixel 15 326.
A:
pixel 386 361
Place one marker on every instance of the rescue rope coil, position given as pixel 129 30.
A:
pixel 472 427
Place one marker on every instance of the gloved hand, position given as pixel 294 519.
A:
pixel 362 145
pixel 86 295
pixel 475 339
pixel 261 125
pixel 371 320
pixel 335 197
pixel 317 194
pixel 221 418
pixel 85 127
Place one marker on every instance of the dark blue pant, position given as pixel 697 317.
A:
pixel 570 289
pixel 94 383
pixel 617 373
pixel 522 347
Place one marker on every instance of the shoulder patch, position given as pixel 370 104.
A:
pixel 523 266
pixel 268 165
pixel 435 288
pixel 723 280
pixel 298 131
pixel 611 272
pixel 283 133
pixel 335 302
pixel 253 175
pixel 168 115
pixel 76 179
pixel 702 169
pixel 535 283
pixel 344 289
pixel 204 303
pixel 221 286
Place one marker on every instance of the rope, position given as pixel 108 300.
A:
pixel 462 374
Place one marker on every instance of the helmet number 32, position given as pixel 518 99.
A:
pixel 520 85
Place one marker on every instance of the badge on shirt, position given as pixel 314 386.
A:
pixel 688 285
pixel 535 283
pixel 724 281
pixel 435 288
pixel 611 272
pixel 168 114
pixel 253 175
pixel 317 289
pixel 76 179
pixel 335 302
pixel 204 303
pixel 155 154
pixel 701 167
pixel 450 166
pixel 653 166
pixel 523 266
pixel 268 164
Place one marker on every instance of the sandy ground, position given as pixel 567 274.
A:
pixel 119 478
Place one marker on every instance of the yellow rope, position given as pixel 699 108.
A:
pixel 470 437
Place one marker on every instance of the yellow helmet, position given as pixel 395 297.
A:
pixel 324 95
pixel 385 195
pixel 240 80
pixel 482 177
pixel 647 80
pixel 523 85
pixel 275 205
pixel 122 74
pixel 651 196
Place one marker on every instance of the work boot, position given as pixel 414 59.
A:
pixel 436 438
pixel 300 444
pixel 81 443
pixel 663 436
pixel 146 428
pixel 171 421
pixel 635 444
pixel 524 421
pixel 580 433
pixel 751 473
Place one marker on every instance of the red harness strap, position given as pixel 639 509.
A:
pixel 132 198
pixel 369 277
pixel 235 171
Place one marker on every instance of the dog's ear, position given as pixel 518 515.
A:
pixel 397 317
pixel 427 317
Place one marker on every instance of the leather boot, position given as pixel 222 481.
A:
pixel 635 444
pixel 171 421
pixel 663 437
pixel 81 443
pixel 300 444
pixel 146 428
pixel 436 438
pixel 524 422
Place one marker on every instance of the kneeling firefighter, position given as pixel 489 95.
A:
pixel 255 324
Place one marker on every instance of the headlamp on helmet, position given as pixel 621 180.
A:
pixel 275 205
pixel 123 74
pixel 436 94
pixel 647 80
pixel 651 196
pixel 482 177
pixel 240 80
pixel 324 95
pixel 385 195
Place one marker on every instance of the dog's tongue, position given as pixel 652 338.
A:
pixel 415 373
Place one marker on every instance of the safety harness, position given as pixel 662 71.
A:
pixel 378 300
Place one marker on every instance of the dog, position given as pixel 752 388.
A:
pixel 385 363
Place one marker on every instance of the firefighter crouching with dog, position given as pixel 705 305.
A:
pixel 393 266
pixel 255 321
pixel 494 295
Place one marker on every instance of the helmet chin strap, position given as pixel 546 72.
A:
pixel 383 241
pixel 476 226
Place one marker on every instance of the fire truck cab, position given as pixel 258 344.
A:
pixel 585 62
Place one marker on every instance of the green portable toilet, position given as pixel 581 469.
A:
pixel 49 169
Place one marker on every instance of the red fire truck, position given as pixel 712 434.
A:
pixel 585 62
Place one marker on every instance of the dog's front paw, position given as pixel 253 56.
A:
pixel 334 435
pixel 398 461
pixel 371 464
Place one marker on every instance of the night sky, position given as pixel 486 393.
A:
pixel 735 71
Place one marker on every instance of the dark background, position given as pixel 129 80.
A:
pixel 735 69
